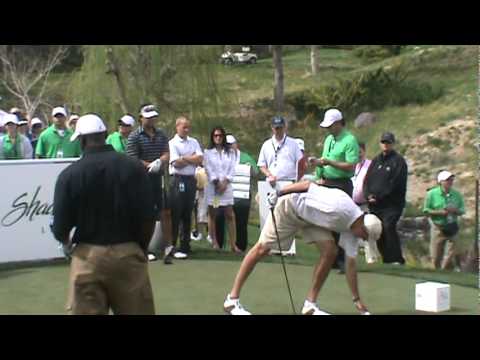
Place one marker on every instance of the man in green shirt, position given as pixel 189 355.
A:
pixel 13 145
pixel 119 139
pixel 336 167
pixel 443 205
pixel 55 142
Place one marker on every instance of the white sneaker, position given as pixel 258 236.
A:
pixel 180 255
pixel 233 307
pixel 199 237
pixel 152 257
pixel 310 308
pixel 209 239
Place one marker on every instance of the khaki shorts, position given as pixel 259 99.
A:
pixel 288 224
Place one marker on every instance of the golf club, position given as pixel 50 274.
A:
pixel 283 261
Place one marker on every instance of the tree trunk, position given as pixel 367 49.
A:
pixel 278 78
pixel 314 59
pixel 114 69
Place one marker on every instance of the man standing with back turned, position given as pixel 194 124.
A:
pixel 107 198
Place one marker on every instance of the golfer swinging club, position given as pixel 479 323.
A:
pixel 317 211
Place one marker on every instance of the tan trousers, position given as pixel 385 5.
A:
pixel 437 248
pixel 110 277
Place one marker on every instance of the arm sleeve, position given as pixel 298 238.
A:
pixel 209 167
pixel 461 206
pixel 367 189
pixel 230 174
pixel 427 204
pixel 27 149
pixel 352 153
pixel 63 221
pixel 174 155
pixel 198 149
pixel 40 149
pixel 262 161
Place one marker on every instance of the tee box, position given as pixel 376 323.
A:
pixel 432 297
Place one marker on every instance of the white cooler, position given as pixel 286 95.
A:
pixel 432 297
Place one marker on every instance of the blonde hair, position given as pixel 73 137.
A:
pixel 180 120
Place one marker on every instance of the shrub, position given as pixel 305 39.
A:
pixel 377 52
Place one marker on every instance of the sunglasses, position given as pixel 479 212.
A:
pixel 387 142
pixel 218 135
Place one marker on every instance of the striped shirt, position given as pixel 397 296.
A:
pixel 141 146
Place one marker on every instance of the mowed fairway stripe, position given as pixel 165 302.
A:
pixel 198 287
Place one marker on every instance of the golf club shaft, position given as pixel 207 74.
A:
pixel 283 261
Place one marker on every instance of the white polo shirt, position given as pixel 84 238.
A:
pixel 281 157
pixel 183 147
pixel 328 208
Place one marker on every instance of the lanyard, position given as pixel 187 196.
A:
pixel 277 150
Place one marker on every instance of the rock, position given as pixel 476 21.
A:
pixel 365 119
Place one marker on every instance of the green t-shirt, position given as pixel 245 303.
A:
pixel 118 142
pixel 247 159
pixel 11 151
pixel 437 200
pixel 51 145
pixel 344 148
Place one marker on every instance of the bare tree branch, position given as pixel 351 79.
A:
pixel 26 77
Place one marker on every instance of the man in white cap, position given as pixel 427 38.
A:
pixel 149 145
pixel 317 211
pixel 443 205
pixel 119 139
pixel 340 155
pixel 107 198
pixel 55 142
pixel 36 128
pixel 13 145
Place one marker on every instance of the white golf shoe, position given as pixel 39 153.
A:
pixel 310 308
pixel 233 307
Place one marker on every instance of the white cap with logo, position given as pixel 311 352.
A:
pixel 331 117
pixel 59 111
pixel 36 121
pixel 231 139
pixel 444 175
pixel 10 118
pixel 88 124
pixel 148 112
pixel 128 120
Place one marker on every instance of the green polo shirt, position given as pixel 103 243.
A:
pixel 50 143
pixel 247 159
pixel 344 148
pixel 11 151
pixel 118 142
pixel 437 200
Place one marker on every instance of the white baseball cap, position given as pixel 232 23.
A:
pixel 231 139
pixel 88 124
pixel 10 118
pixel 36 121
pixel 301 144
pixel 444 175
pixel 14 110
pixel 374 226
pixel 128 120
pixel 331 117
pixel 59 110
pixel 148 112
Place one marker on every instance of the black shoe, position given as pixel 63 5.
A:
pixel 167 260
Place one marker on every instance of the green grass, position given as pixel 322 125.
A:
pixel 199 287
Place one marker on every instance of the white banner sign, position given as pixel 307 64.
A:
pixel 26 205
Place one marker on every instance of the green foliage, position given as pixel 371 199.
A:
pixel 378 52
pixel 180 79
pixel 368 91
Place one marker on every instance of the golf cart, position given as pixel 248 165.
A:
pixel 244 57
